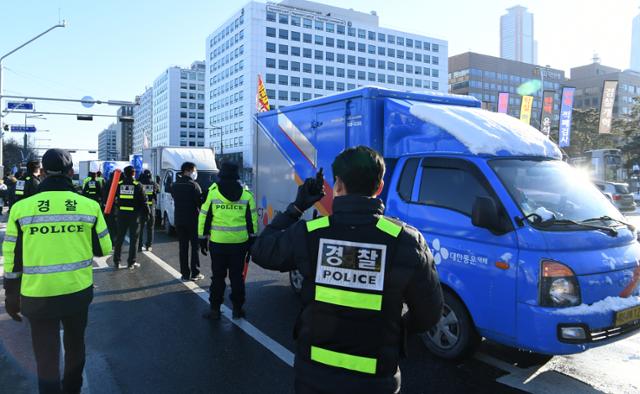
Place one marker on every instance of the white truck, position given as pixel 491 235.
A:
pixel 165 162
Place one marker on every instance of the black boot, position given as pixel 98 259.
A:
pixel 238 312
pixel 212 314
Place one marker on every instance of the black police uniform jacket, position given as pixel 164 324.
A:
pixel 409 276
pixel 29 187
pixel 131 199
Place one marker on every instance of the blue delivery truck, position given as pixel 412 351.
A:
pixel 530 254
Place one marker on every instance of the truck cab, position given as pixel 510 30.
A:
pixel 529 252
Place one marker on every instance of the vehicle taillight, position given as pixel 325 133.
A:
pixel 558 285
pixel 617 197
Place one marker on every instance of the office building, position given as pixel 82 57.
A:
pixel 635 44
pixel 178 107
pixel 304 50
pixel 124 132
pixel 143 121
pixel 516 36
pixel 107 144
pixel 485 77
pixel 589 82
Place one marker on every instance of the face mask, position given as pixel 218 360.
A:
pixel 194 175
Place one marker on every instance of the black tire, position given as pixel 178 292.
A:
pixel 456 340
pixel 295 279
pixel 168 227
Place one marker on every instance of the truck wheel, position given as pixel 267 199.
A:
pixel 454 337
pixel 167 226
pixel 296 278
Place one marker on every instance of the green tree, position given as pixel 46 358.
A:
pixel 585 136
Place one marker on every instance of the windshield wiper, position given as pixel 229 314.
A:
pixel 608 230
pixel 609 218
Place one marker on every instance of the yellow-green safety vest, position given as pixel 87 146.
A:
pixel 85 180
pixel 229 224
pixel 55 229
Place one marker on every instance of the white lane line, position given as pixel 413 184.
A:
pixel 274 347
pixel 85 382
pixel 1 266
pixel 101 262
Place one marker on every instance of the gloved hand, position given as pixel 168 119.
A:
pixel 12 305
pixel 204 246
pixel 310 192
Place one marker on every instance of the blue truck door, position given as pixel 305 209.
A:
pixel 441 203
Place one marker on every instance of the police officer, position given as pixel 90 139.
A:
pixel 228 217
pixel 358 267
pixel 146 220
pixel 92 188
pixel 53 285
pixel 28 184
pixel 132 203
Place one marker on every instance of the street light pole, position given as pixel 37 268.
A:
pixel 63 24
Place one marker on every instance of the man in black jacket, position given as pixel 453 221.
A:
pixel 358 268
pixel 186 195
pixel 27 186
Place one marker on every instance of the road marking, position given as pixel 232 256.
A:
pixel 274 347
pixel 101 262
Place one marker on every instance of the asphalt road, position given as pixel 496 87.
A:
pixel 146 335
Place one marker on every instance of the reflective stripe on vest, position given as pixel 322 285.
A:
pixel 318 223
pixel 342 360
pixel 229 224
pixel 64 218
pixel 350 299
pixel 52 269
pixel 12 275
pixel 127 208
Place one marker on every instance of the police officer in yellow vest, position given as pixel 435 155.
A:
pixel 92 188
pixel 146 221
pixel 132 203
pixel 358 267
pixel 28 185
pixel 50 284
pixel 227 220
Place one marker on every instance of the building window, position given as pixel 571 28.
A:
pixel 382 51
pixel 283 18
pixel 362 75
pixel 418 57
pixel 435 85
pixel 329 85
pixel 271 63
pixel 400 54
pixel 409 55
pixel 319 25
pixel 271 32
pixel 400 41
pixel 426 59
pixel 330 42
pixel 362 33
pixel 340 72
pixel 283 80
pixel 435 48
pixel 306 38
pixel 400 81
pixel 295 66
pixel 371 35
pixel 340 86
pixel 283 49
pixel 434 59
pixel 306 82
pixel 361 47
pixel 306 52
pixel 295 36
pixel 381 37
pixel 371 63
pixel 340 44
pixel 295 81
pixel 351 31
pixel 283 33
pixel 318 83
pixel 318 55
pixel 418 83
pixel 381 64
pixel 351 45
pixel 427 47
pixel 306 96
pixel 271 16
pixel 318 69
pixel 306 67
pixel 409 82
pixel 283 64
pixel 329 56
pixel 329 71
pixel 409 43
pixel 400 67
pixel 306 23
pixel 330 27
pixel 391 39
pixel 381 78
pixel 391 52
pixel 362 61
pixel 409 69
pixel 391 79
pixel 351 59
pixel 295 51
pixel 318 40
pixel 340 29
pixel 418 46
pixel 295 96
pixel 340 58
pixel 271 47
pixel 371 77
pixel 435 73
pixel 295 20
pixel 351 74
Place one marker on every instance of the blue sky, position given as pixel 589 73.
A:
pixel 113 49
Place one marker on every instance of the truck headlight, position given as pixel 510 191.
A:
pixel 558 285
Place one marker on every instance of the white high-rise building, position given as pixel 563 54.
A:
pixel 303 50
pixel 143 121
pixel 178 107
pixel 516 36
pixel 635 44
pixel 107 148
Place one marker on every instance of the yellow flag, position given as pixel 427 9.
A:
pixel 525 109
pixel 262 100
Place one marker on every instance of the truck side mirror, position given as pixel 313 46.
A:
pixel 485 215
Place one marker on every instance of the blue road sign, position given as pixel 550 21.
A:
pixel 20 105
pixel 87 101
pixel 23 129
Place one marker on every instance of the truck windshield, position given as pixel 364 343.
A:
pixel 552 187
pixel 206 178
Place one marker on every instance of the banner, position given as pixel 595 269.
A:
pixel 547 112
pixel 566 112
pixel 262 100
pixel 503 103
pixel 606 107
pixel 525 109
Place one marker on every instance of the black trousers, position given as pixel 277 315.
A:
pixel 45 337
pixel 112 225
pixel 127 223
pixel 221 264
pixel 146 224
pixel 188 235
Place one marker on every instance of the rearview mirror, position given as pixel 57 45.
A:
pixel 485 215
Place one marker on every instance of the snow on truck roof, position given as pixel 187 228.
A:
pixel 484 132
pixel 203 158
